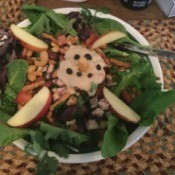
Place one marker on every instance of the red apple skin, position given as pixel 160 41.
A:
pixel 116 112
pixel 40 115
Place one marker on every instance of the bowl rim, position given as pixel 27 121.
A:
pixel 139 132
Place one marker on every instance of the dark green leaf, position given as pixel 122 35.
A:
pixel 8 134
pixel 4 116
pixel 16 74
pixel 127 40
pixel 6 105
pixel 104 25
pixel 61 21
pixel 38 27
pixel 113 52
pixel 131 77
pixel 61 149
pixel 86 13
pixel 93 87
pixel 151 103
pixel 47 166
pixel 82 98
pixel 33 12
pixel 71 137
pixel 115 137
pixel 37 142
pixel 10 93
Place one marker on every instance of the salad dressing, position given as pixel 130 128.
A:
pixel 81 68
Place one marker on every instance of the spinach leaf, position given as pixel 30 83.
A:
pixel 9 93
pixel 88 15
pixel 37 28
pixel 16 74
pixel 4 116
pixel 65 135
pixel 127 39
pixel 7 105
pixel 8 134
pixel 61 21
pixel 45 20
pixel 152 102
pixel 16 77
pixel 115 137
pixel 33 12
pixel 104 25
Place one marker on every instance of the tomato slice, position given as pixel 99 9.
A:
pixel 23 97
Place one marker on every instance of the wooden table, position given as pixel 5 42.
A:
pixel 117 9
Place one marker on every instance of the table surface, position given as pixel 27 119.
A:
pixel 117 9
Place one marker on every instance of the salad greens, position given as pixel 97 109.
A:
pixel 45 20
pixel 16 78
pixel 116 136
pixel 151 103
pixel 113 133
pixel 16 74
pixel 8 134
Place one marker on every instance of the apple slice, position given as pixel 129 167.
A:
pixel 33 110
pixel 107 38
pixel 120 108
pixel 28 40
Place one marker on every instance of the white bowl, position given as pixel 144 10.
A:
pixel 139 132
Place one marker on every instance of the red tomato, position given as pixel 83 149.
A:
pixel 92 38
pixel 23 97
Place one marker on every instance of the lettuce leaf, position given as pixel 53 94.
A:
pixel 104 25
pixel 71 137
pixel 4 116
pixel 33 12
pixel 115 137
pixel 16 74
pixel 16 78
pixel 151 103
pixel 45 20
pixel 8 134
